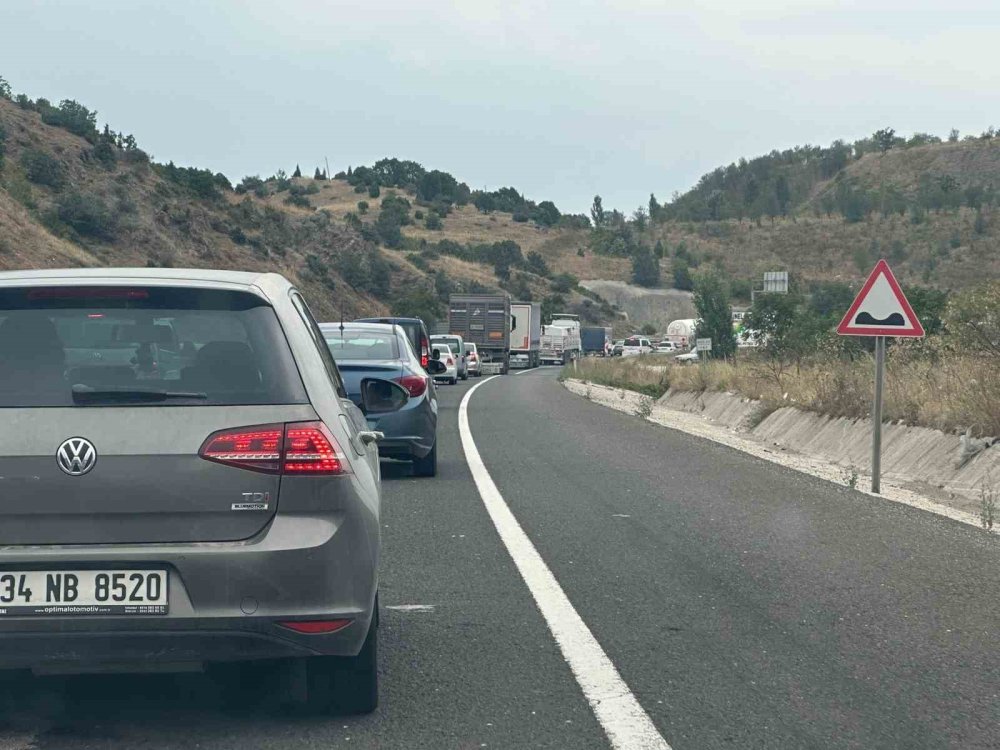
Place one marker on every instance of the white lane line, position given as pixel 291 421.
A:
pixel 624 721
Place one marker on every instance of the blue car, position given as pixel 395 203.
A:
pixel 377 350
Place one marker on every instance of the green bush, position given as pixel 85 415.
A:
pixel 3 145
pixel 374 192
pixel 433 221
pixel 296 199
pixel 88 215
pixel 362 207
pixel 43 169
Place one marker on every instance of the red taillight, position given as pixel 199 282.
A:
pixel 314 627
pixel 311 449
pixel 449 361
pixel 255 448
pixel 472 357
pixel 414 384
pixel 425 352
pixel 294 448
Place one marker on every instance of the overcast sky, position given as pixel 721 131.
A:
pixel 561 100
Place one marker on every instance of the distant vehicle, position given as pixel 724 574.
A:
pixel 472 360
pixel 484 320
pixel 161 505
pixel 691 356
pixel 457 346
pixel 442 353
pixel 525 334
pixel 682 332
pixel 617 348
pixel 561 339
pixel 636 345
pixel 416 332
pixel 376 350
pixel 595 340
pixel 666 346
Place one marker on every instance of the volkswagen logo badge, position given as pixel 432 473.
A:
pixel 76 456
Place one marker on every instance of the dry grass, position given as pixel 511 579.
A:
pixel 941 391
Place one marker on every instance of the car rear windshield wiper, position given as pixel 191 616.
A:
pixel 85 394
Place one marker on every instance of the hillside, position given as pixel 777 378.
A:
pixel 397 237
pixel 931 208
pixel 90 198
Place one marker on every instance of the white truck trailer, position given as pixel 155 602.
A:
pixel 561 339
pixel 525 334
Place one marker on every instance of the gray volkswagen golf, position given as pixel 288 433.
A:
pixel 184 481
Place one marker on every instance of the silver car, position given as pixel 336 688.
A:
pixel 184 481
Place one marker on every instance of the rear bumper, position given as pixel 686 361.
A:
pixel 225 599
pixel 410 432
pixel 164 646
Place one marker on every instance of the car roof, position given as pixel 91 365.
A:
pixel 355 325
pixel 393 318
pixel 270 283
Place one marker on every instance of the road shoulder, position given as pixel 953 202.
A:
pixel 644 407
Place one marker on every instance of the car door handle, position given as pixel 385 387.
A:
pixel 370 436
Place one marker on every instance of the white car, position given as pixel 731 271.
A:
pixel 636 345
pixel 444 354
pixel 666 347
pixel 691 356
pixel 472 357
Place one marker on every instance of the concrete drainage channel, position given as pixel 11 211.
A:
pixel 920 466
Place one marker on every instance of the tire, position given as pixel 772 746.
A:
pixel 466 375
pixel 452 381
pixel 428 465
pixel 345 684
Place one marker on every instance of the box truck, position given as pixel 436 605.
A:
pixel 525 334
pixel 483 320
pixel 595 340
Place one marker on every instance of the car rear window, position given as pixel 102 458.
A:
pixel 361 344
pixel 470 348
pixel 452 343
pixel 160 346
pixel 633 342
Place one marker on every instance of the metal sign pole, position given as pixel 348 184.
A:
pixel 877 414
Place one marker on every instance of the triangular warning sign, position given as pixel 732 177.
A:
pixel 880 309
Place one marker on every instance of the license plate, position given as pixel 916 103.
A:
pixel 83 592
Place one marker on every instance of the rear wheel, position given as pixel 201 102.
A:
pixel 452 381
pixel 428 465
pixel 345 684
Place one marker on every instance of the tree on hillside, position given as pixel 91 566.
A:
pixel 535 263
pixel 884 139
pixel 639 217
pixel 546 214
pixel 318 175
pixel 785 329
pixel 682 276
pixel 418 301
pixel 953 135
pixel 658 250
pixel 297 172
pixel 645 267
pixel 783 194
pixel 654 209
pixel 973 319
pixel 711 300
pixel 597 212
pixel 5 92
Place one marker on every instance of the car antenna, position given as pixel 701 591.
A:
pixel 341 321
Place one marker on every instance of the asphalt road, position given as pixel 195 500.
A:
pixel 744 605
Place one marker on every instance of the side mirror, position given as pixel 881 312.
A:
pixel 435 354
pixel 436 367
pixel 382 396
